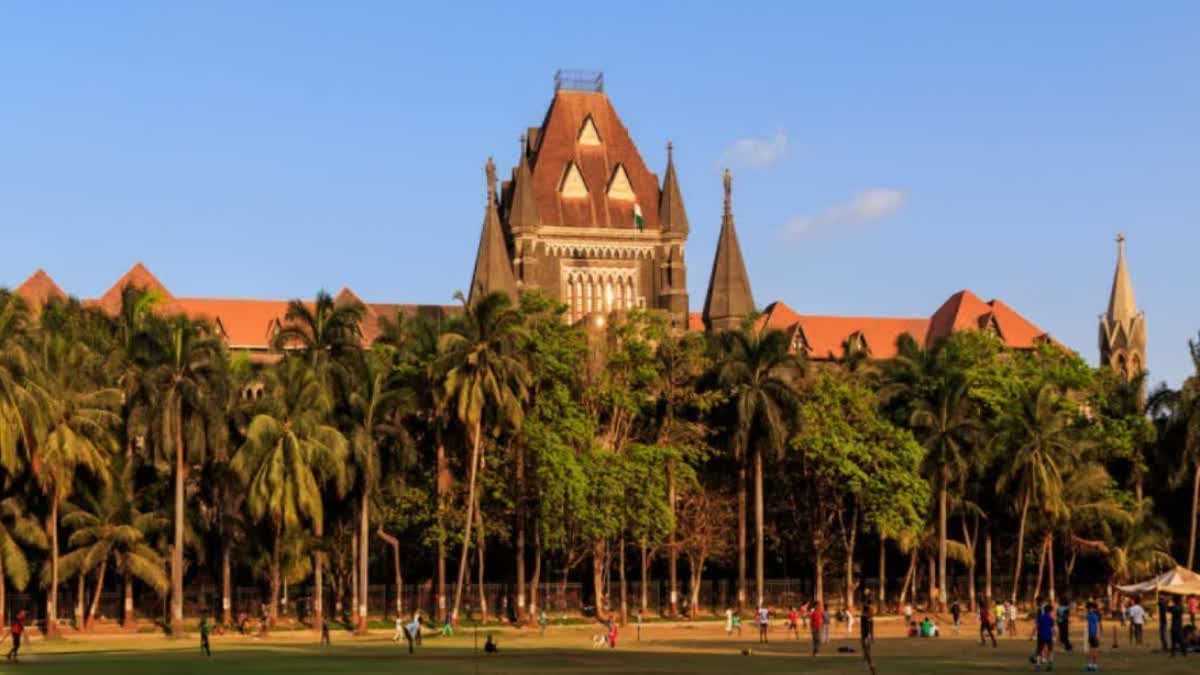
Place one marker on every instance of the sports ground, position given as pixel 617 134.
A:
pixel 700 647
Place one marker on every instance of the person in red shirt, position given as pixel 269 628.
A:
pixel 17 629
pixel 794 622
pixel 816 620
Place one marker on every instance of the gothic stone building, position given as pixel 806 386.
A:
pixel 583 218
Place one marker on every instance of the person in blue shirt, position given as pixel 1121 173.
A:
pixel 1045 638
pixel 1094 629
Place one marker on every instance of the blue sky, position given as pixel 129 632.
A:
pixel 885 154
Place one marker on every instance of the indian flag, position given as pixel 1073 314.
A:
pixel 638 222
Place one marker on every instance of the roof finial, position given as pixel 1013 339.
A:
pixel 670 148
pixel 728 179
pixel 490 170
pixel 1120 242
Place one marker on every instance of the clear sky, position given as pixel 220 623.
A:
pixel 885 154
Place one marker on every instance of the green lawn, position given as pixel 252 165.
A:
pixel 686 649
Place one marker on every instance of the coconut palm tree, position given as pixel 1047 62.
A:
pixel 759 371
pixel 485 380
pixel 1178 415
pixel 109 528
pixel 948 425
pixel 16 404
pixel 182 362
pixel 373 418
pixel 1041 447
pixel 289 452
pixel 18 530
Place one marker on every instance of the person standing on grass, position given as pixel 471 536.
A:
pixel 804 615
pixel 908 613
pixel 1063 617
pixel 729 621
pixel 325 630
pixel 542 623
pixel 16 631
pixel 956 614
pixel 1094 630
pixel 816 621
pixel 399 631
pixel 639 625
pixel 204 630
pixel 762 617
pixel 986 624
pixel 867 628
pixel 793 619
pixel 824 624
pixel 1137 621
pixel 1045 638
pixel 1163 610
pixel 737 624
pixel 1177 627
pixel 1192 609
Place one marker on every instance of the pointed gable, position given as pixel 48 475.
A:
pixel 729 299
pixel 619 187
pixel 556 147
pixel 522 209
pixel 588 134
pixel 493 268
pixel 38 289
pixel 137 277
pixel 671 215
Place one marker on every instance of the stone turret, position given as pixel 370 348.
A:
pixel 672 219
pixel 729 300
pixel 1123 327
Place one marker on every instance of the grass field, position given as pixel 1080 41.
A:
pixel 665 648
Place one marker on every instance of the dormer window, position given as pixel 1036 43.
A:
pixel 619 186
pixel 572 185
pixel 587 133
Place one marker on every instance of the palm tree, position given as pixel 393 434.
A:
pixel 1178 413
pixel 16 405
pixel 77 418
pixel 18 529
pixel 947 424
pixel 327 333
pixel 759 371
pixel 182 360
pixel 290 450
pixel 373 420
pixel 484 376
pixel 1040 446
pixel 110 528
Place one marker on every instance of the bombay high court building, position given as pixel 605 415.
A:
pixel 582 218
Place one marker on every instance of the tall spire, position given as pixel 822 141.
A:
pixel 493 269
pixel 671 215
pixel 523 210
pixel 729 300
pixel 1123 327
pixel 1121 305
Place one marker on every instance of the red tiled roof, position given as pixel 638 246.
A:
pixel 39 288
pixel 557 147
pixel 696 321
pixel 244 323
pixel 138 277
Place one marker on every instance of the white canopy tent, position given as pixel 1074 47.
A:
pixel 1179 581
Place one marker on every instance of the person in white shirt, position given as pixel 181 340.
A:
pixel 849 621
pixel 399 630
pixel 1137 616
pixel 763 617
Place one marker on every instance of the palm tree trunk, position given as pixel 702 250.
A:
pixel 352 613
pixel 598 555
pixel 624 587
pixel 971 540
pixel 1195 514
pixel 443 472
pixel 1050 563
pixel 741 587
pixel 758 526
pixel 1037 587
pixel 91 617
pixel 318 558
pixel 520 544
pixel 987 566
pixel 535 578
pixel 80 592
pixel 932 583
pixel 177 552
pixel 1020 546
pixel 363 559
pixel 645 565
pixel 943 495
pixel 227 587
pixel 394 542
pixel 818 576
pixel 672 554
pixel 466 540
pixel 882 601
pixel 850 559
pixel 909 577
pixel 52 596
pixel 273 609
pixel 128 618
pixel 3 589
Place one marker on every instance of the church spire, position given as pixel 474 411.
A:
pixel 523 210
pixel 729 300
pixel 1123 327
pixel 671 215
pixel 493 270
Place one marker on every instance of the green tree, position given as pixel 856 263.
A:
pixel 289 451
pixel 1178 412
pixel 760 374
pixel 18 531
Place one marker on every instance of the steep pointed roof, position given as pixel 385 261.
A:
pixel 493 270
pixel 138 277
pixel 39 288
pixel 1121 304
pixel 671 215
pixel 523 210
pixel 729 298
